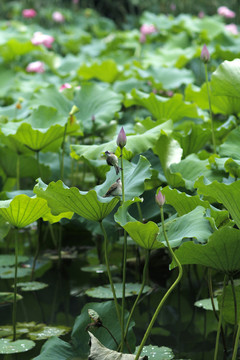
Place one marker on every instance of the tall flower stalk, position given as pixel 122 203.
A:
pixel 205 56
pixel 121 142
pixel 160 199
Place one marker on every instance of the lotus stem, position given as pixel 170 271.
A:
pixel 210 109
pixel 62 153
pixel 14 313
pixel 180 272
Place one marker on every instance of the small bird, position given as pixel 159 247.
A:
pixel 112 160
pixel 115 189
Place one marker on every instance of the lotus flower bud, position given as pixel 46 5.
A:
pixel 160 198
pixel 122 138
pixel 205 56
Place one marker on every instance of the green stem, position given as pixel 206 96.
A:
pixel 109 272
pixel 210 109
pixel 18 171
pixel 139 212
pixel 235 349
pixel 124 261
pixel 140 292
pixel 220 318
pixel 147 333
pixel 235 305
pixel 14 313
pixel 38 162
pixel 62 154
pixel 60 247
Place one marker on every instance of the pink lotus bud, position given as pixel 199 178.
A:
pixel 232 28
pixel 146 29
pixel 42 39
pixel 160 198
pixel 75 1
pixel 142 38
pixel 65 86
pixel 205 56
pixel 226 12
pixel 29 13
pixel 36 66
pixel 173 7
pixel 121 139
pixel 58 17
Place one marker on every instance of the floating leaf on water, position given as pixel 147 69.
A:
pixel 31 285
pixel 9 260
pixel 206 304
pixel 7 331
pixel 12 347
pixel 155 352
pixel 7 297
pixel 99 269
pixel 105 292
pixel 9 272
pixel 46 332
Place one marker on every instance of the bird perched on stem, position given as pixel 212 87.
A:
pixel 112 160
pixel 115 189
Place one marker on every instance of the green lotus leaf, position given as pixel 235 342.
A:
pixel 4 229
pixel 222 252
pixel 9 260
pixel 7 297
pixel 226 79
pixel 224 194
pixel 62 199
pixel 31 286
pixel 45 332
pixel 56 218
pixel 105 292
pixel 13 347
pixel 231 145
pixel 191 225
pixel 173 57
pixel 162 108
pixel 23 210
pixel 13 48
pixel 98 103
pixel 106 71
pixel 135 143
pixel 219 103
pixel 155 352
pixel 233 168
pixel 56 349
pixel 9 272
pixel 206 304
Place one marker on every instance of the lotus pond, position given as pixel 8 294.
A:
pixel 119 185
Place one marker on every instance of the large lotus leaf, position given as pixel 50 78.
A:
pixel 98 351
pixel 193 140
pixel 62 199
pixel 168 78
pixel 226 79
pixel 28 165
pixel 105 291
pixel 4 229
pixel 56 349
pixel 206 304
pixel 98 103
pixel 219 103
pixel 9 272
pixel 106 71
pixel 134 177
pixel 136 144
pixel 42 332
pixel 13 48
pixel 9 260
pixel 228 305
pixel 23 210
pixel 231 146
pixel 191 225
pixel 52 98
pixel 169 152
pixel 162 108
pixel 154 352
pixel 7 297
pixel 222 252
pixel 8 78
pixel 184 203
pixel 13 347
pixel 107 313
pixel 56 218
pixel 226 194
pixel 172 57
pixel 31 286
pixel 143 234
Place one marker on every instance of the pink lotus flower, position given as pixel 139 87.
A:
pixel 65 86
pixel 36 66
pixel 160 198
pixel 75 1
pixel 232 28
pixel 29 13
pixel 122 138
pixel 42 39
pixel 201 14
pixel 226 12
pixel 205 56
pixel 58 17
pixel 147 29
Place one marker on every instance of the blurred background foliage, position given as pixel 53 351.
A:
pixel 123 12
